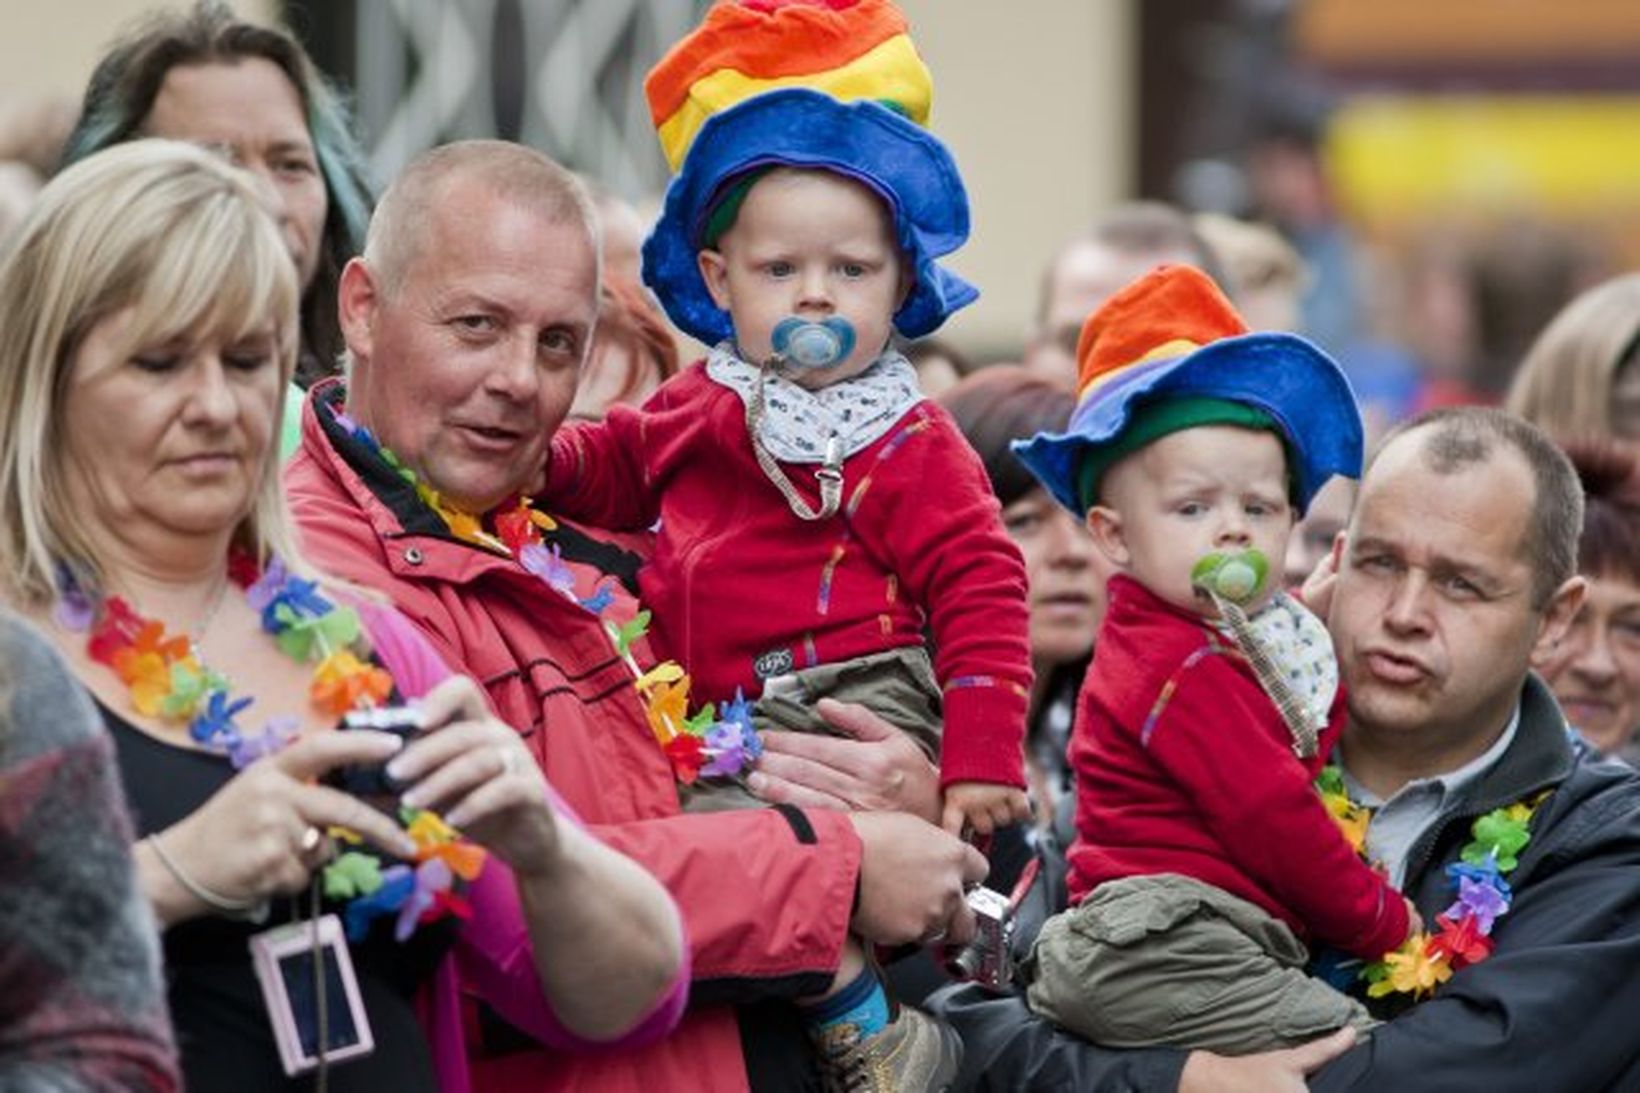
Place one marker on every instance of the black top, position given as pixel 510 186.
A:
pixel 222 1026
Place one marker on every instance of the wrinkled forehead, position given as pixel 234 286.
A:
pixel 1478 514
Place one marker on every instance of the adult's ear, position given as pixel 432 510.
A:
pixel 715 272
pixel 1558 614
pixel 1109 537
pixel 357 297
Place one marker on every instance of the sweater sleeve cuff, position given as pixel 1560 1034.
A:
pixel 984 738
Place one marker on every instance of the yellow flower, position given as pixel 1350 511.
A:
pixel 1413 970
pixel 428 830
pixel 668 707
pixel 1350 817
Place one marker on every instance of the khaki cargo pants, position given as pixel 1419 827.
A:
pixel 897 685
pixel 1167 960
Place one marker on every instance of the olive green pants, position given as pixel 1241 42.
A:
pixel 897 685
pixel 1169 961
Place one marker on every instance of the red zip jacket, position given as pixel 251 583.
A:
pixel 743 590
pixel 766 895
pixel 1183 765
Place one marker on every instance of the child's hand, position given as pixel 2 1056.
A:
pixel 983 807
pixel 1415 921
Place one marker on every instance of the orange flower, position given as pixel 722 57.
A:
pixel 342 682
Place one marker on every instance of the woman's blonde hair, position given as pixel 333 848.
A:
pixel 179 238
pixel 1564 385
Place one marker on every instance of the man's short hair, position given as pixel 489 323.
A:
pixel 511 171
pixel 1133 227
pixel 1458 437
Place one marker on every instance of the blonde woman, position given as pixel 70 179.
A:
pixel 152 325
pixel 1581 378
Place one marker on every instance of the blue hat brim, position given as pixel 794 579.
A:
pixel 1286 376
pixel 904 164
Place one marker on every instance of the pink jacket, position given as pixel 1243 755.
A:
pixel 766 895
pixel 493 951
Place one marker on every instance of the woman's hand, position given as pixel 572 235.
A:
pixel 880 770
pixel 263 833
pixel 476 772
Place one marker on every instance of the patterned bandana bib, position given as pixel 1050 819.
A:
pixel 797 422
pixel 1302 650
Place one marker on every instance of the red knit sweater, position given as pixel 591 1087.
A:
pixel 1183 765
pixel 742 589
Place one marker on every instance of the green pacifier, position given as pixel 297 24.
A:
pixel 1236 575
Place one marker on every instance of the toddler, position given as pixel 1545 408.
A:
pixel 1204 857
pixel 815 513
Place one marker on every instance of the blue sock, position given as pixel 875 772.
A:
pixel 862 1003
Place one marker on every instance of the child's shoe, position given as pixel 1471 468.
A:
pixel 914 1053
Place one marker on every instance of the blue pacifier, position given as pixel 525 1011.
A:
pixel 813 345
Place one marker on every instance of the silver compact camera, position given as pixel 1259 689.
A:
pixel 988 959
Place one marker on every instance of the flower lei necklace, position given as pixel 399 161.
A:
pixel 709 743
pixel 1426 960
pixel 169 681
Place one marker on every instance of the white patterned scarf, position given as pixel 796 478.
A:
pixel 1297 642
pixel 797 422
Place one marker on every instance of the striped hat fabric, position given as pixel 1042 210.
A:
pixel 832 85
pixel 849 49
pixel 1173 334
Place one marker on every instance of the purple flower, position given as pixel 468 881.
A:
pixel 274 736
pixel 261 594
pixel 726 745
pixel 432 877
pixel 1479 900
pixel 549 566
pixel 74 610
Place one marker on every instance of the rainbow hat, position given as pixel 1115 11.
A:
pixel 1171 334
pixel 827 84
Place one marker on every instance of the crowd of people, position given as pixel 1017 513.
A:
pixel 418 671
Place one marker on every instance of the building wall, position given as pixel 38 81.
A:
pixel 50 47
pixel 1038 111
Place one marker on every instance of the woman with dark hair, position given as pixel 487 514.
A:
pixel 1595 669
pixel 993 407
pixel 251 92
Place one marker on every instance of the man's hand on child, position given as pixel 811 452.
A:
pixel 982 807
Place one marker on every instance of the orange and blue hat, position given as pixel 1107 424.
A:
pixel 1169 352
pixel 832 85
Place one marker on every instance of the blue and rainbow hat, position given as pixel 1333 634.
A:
pixel 1172 335
pixel 833 85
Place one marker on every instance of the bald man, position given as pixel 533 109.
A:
pixel 467 322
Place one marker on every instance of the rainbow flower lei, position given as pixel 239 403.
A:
pixel 1426 960
pixel 718 742
pixel 169 681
